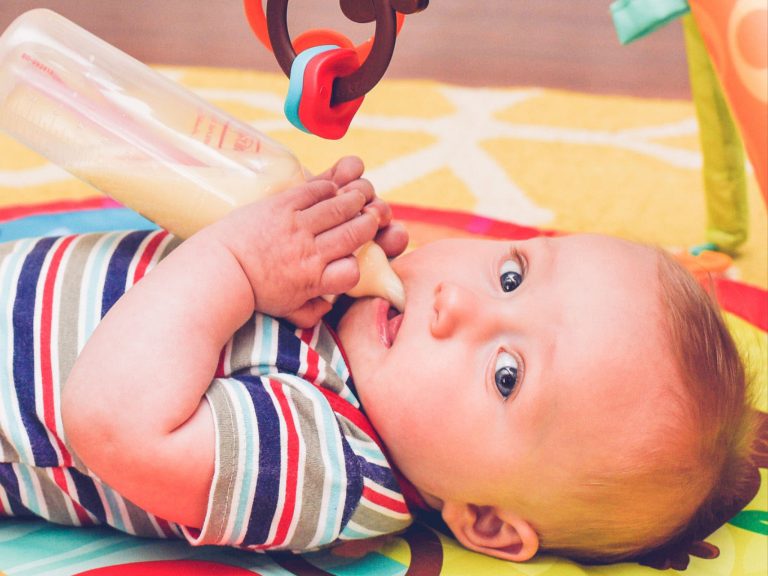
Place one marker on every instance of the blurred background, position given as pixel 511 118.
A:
pixel 548 43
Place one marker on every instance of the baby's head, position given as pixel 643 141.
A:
pixel 579 395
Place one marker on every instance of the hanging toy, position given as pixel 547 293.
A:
pixel 329 75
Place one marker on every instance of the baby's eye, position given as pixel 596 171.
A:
pixel 506 374
pixel 510 275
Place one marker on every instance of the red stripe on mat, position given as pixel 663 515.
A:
pixel 467 222
pixel 22 210
pixel 743 300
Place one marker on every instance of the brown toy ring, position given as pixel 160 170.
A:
pixel 364 78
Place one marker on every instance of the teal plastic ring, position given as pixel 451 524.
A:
pixel 296 83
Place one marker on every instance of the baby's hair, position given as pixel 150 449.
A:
pixel 672 496
pixel 715 375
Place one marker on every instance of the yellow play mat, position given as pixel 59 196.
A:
pixel 454 161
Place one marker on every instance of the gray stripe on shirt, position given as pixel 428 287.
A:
pixel 373 520
pixel 55 500
pixel 69 307
pixel 243 343
pixel 311 500
pixel 227 458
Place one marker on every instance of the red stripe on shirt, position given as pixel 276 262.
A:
pixel 384 501
pixel 291 465
pixel 46 364
pixel 221 371
pixel 311 356
pixel 61 481
pixel 313 365
pixel 341 406
pixel 344 408
pixel 307 335
pixel 147 255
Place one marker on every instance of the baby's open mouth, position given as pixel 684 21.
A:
pixel 390 320
pixel 394 320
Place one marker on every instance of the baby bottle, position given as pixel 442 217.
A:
pixel 140 137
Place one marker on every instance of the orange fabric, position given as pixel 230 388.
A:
pixel 736 35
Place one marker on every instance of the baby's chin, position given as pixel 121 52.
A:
pixel 359 341
pixel 343 314
pixel 349 325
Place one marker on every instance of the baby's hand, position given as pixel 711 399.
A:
pixel 298 245
pixel 391 236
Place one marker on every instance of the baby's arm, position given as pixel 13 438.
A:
pixel 133 407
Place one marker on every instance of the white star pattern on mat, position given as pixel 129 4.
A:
pixel 458 137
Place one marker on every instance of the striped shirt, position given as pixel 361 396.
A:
pixel 297 465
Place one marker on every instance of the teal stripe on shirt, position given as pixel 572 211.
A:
pixel 11 268
pixel 29 495
pixel 269 328
pixel 249 435
pixel 93 286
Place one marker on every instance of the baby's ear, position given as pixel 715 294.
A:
pixel 491 531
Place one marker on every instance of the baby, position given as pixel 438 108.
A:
pixel 579 395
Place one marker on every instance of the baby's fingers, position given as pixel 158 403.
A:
pixel 393 239
pixel 344 239
pixel 360 185
pixel 310 313
pixel 331 212
pixel 309 194
pixel 339 276
pixel 380 210
pixel 346 170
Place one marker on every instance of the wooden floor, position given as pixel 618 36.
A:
pixel 550 43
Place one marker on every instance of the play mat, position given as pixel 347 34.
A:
pixel 454 162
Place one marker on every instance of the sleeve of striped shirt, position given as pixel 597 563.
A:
pixel 286 476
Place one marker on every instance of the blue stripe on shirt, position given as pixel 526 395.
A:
pixel 119 264
pixel 249 473
pixel 381 475
pixel 15 433
pixel 25 349
pixel 354 481
pixel 288 350
pixel 270 461
pixel 87 494
pixel 10 484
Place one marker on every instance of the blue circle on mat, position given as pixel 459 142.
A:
pixel 296 85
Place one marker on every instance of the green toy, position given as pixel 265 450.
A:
pixel 634 19
pixel 724 172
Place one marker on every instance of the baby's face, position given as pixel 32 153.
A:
pixel 513 364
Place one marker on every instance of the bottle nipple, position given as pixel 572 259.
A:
pixel 377 277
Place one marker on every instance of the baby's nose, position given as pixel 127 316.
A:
pixel 454 307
